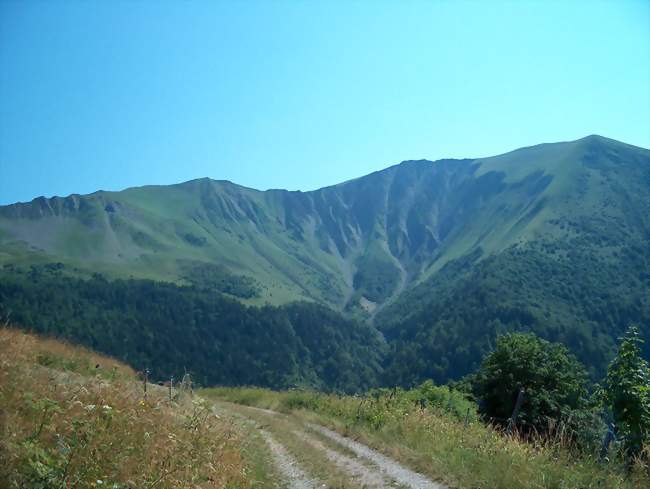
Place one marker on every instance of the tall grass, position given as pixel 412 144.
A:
pixel 446 444
pixel 72 418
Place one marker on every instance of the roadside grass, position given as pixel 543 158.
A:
pixel 443 445
pixel 64 422
pixel 287 431
pixel 260 469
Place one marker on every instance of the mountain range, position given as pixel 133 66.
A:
pixel 439 256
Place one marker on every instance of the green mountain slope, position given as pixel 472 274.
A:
pixel 440 255
pixel 573 266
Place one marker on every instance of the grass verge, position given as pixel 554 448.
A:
pixel 443 445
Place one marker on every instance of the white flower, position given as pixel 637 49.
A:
pixel 90 407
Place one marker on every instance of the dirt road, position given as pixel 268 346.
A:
pixel 309 456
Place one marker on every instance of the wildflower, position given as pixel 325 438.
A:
pixel 90 407
pixel 106 407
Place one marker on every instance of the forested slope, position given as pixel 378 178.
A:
pixel 168 328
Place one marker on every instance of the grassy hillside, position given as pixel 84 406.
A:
pixel 72 418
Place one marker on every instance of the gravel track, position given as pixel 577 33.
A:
pixel 364 476
pixel 385 465
pixel 287 465
pixel 369 469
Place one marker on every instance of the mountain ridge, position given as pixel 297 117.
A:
pixel 226 181
pixel 420 249
pixel 357 227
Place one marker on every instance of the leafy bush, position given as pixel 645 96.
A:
pixel 553 380
pixel 627 393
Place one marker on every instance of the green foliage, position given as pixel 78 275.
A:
pixel 553 380
pixel 372 409
pixel 444 398
pixel 168 329
pixel 376 278
pixel 566 291
pixel 627 392
pixel 217 278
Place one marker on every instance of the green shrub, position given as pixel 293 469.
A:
pixel 444 398
pixel 553 380
pixel 627 393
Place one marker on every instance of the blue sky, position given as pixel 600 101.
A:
pixel 303 94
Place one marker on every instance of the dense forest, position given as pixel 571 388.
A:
pixel 440 330
pixel 169 328
pixel 562 291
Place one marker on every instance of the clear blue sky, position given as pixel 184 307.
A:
pixel 303 94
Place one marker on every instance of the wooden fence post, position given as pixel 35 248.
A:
pixel 363 399
pixel 146 379
pixel 610 436
pixel 515 412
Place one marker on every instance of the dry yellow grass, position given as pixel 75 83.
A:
pixel 65 423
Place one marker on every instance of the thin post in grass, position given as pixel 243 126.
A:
pixel 359 409
pixel 171 387
pixel 146 380
pixel 515 412
pixel 467 418
pixel 186 384
pixel 609 437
